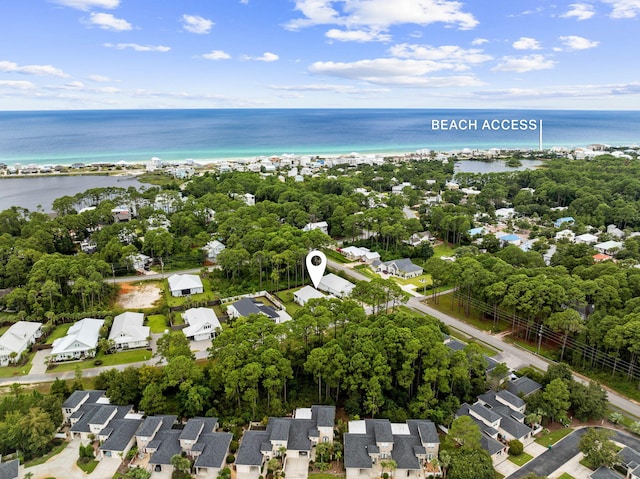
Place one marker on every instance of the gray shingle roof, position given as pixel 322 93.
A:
pixel 485 413
pixel 123 430
pixel 249 451
pixel 103 414
pixel 168 445
pixel 9 470
pixel 403 452
pixel 356 447
pixel 299 434
pixel 604 472
pixel 77 397
pixel 523 386
pixel 628 455
pixel 192 429
pixel 511 398
pixel 278 428
pixel 247 306
pixel 216 446
pixel 382 430
pixel 153 423
pixel 490 445
pixel 427 431
pixel 515 428
pixel 325 416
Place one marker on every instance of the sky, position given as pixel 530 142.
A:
pixel 516 54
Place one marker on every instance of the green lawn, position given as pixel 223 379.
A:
pixel 59 332
pixel 324 475
pixel 366 270
pixel 157 323
pixel 564 475
pixel 551 438
pixel 87 467
pixel 443 250
pixel 125 357
pixel 520 460
pixel 419 281
pixel 335 256
pixel 54 452
pixel 208 295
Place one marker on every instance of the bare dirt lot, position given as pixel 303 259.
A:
pixel 138 295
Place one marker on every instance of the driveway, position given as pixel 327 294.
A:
pixel 563 453
pixel 297 468
pixel 61 466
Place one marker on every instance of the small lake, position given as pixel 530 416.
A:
pixel 476 166
pixel 31 192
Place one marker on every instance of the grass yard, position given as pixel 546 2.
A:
pixel 420 282
pixel 324 475
pixel 157 323
pixel 564 475
pixel 520 460
pixel 443 250
pixel 335 256
pixel 551 438
pixel 54 452
pixel 124 357
pixel 59 332
pixel 10 371
pixel 87 467
pixel 208 295
pixel 366 270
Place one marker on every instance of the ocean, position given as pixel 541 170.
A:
pixel 65 137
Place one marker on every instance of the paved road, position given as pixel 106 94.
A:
pixel 514 356
pixel 563 451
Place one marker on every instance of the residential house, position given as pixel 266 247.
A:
pixel 77 399
pixel 202 324
pixel 88 246
pixel 505 213
pixel 600 257
pixel 121 214
pixel 80 342
pixel 603 472
pixel 609 247
pixel 185 284
pixel 399 189
pixel 128 332
pixel 565 219
pixel 614 231
pixel 140 262
pixel 365 255
pixel 566 235
pixel 305 294
pixel 294 438
pixel 17 339
pixel 212 249
pixel 523 386
pixel 586 238
pixel 417 239
pixel 9 470
pixel 510 239
pixel 412 445
pixel 479 231
pixel 403 268
pixel 247 306
pixel 198 440
pixel 630 459
pixel 322 226
pixel 336 286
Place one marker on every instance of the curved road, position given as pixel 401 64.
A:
pixel 514 356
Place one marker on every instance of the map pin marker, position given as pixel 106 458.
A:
pixel 316 264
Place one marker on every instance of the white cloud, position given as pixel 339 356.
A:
pixel 479 41
pixel 17 84
pixel 106 21
pixel 527 43
pixel 357 36
pixel 449 54
pixel 341 89
pixel 266 57
pixel 573 42
pixel 138 48
pixel 39 70
pixel 197 24
pixel 216 55
pixel 624 8
pixel 87 5
pixel 565 91
pixel 99 78
pixel 394 71
pixel 381 14
pixel 524 64
pixel 581 11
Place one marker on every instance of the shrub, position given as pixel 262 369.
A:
pixel 230 458
pixel 515 447
pixel 615 417
pixel 97 362
pixel 233 447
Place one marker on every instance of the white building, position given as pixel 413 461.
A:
pixel 17 339
pixel 128 332
pixel 322 226
pixel 202 324
pixel 185 284
pixel 81 341
pixel 336 285
pixel 305 294
pixel 212 249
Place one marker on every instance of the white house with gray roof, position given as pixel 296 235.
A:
pixel 297 435
pixel 127 331
pixel 403 268
pixel 246 306
pixel 412 445
pixel 202 324
pixel 307 293
pixel 17 339
pixel 185 284
pixel 336 286
pixel 81 341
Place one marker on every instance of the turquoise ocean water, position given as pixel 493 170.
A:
pixel 63 137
